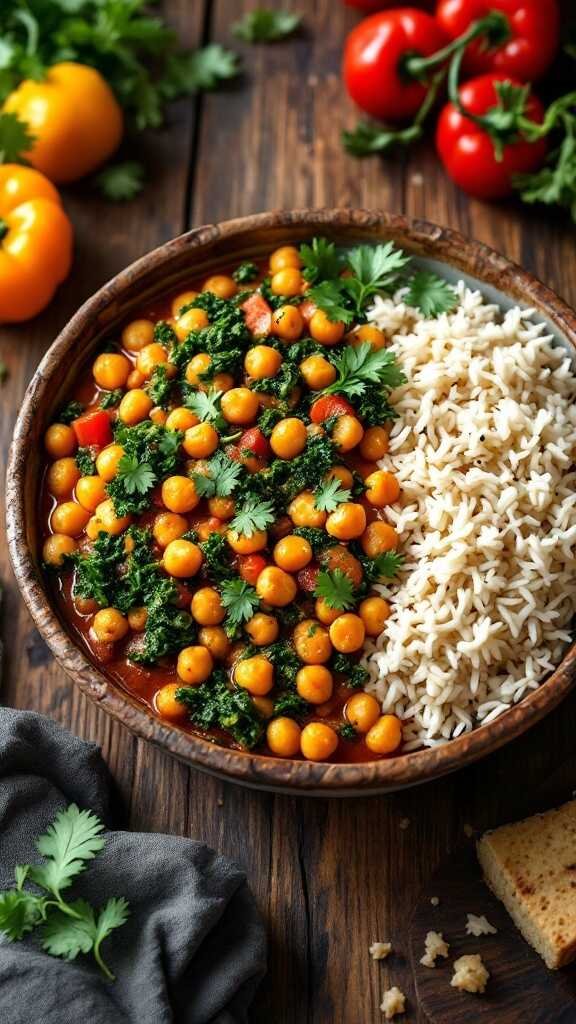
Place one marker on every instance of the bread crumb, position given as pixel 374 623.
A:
pixel 380 950
pixel 393 1003
pixel 477 926
pixel 404 823
pixel 470 974
pixel 468 831
pixel 434 901
pixel 435 947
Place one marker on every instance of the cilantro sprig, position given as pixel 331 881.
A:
pixel 330 494
pixel 240 601
pixel 372 269
pixel 121 182
pixel 253 516
pixel 430 294
pixel 266 26
pixel 359 366
pixel 221 478
pixel 67 928
pixel 336 588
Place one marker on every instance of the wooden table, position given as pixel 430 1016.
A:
pixel 330 876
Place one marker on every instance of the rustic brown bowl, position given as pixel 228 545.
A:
pixel 198 252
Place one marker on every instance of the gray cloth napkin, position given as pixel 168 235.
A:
pixel 193 949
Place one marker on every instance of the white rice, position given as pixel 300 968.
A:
pixel 483 447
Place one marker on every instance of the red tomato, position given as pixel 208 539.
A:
pixel 258 315
pixel 93 428
pixel 253 440
pixel 330 405
pixel 533 42
pixel 308 578
pixel 250 567
pixel 467 151
pixel 373 57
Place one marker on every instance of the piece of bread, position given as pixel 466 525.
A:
pixel 531 867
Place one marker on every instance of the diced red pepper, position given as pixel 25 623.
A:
pixel 330 405
pixel 258 315
pixel 253 440
pixel 250 567
pixel 93 428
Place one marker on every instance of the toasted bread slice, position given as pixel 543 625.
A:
pixel 531 867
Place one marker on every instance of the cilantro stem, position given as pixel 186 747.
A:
pixel 101 963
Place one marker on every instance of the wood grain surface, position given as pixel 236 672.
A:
pixel 330 876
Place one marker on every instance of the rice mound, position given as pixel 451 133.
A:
pixel 484 447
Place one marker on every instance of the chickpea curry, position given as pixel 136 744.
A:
pixel 212 510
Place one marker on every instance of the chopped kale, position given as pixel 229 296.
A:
pixel 355 675
pixel 290 705
pixel 85 461
pixel 373 407
pixel 348 732
pixel 97 572
pixel 285 660
pixel 317 538
pixel 268 419
pixel 282 384
pixel 71 411
pixel 165 334
pixel 151 453
pixel 215 704
pixel 109 399
pixel 168 629
pixel 275 301
pixel 159 386
pixel 245 272
pixel 217 562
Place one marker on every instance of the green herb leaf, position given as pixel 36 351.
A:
pixel 73 838
pixel 253 516
pixel 217 558
pixel 136 477
pixel 330 494
pixel 66 936
pixel 360 365
pixel 71 411
pixel 215 703
pixel 290 705
pixel 348 732
pixel 245 272
pixel 205 405
pixel 430 294
pixel 320 260
pixel 20 912
pixel 368 138
pixel 266 26
pixel 85 462
pixel 199 71
pixel 383 567
pixel 355 675
pixel 159 386
pixel 239 599
pixel 336 588
pixel 121 182
pixel 15 138
pixel 110 399
pixel 377 266
pixel 330 297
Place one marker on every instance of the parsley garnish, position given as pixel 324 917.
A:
pixel 240 601
pixel 220 480
pixel 360 365
pixel 206 406
pixel 290 705
pixel 336 589
pixel 67 928
pixel 15 137
pixel 332 299
pixel 252 517
pixel 430 294
pixel 375 268
pixel 383 567
pixel 266 26
pixel 150 454
pixel 330 494
pixel 320 260
pixel 121 182
pixel 137 478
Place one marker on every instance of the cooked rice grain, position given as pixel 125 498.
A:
pixel 483 447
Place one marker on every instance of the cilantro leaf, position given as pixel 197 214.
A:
pixel 383 567
pixel 555 183
pixel 200 70
pixel 20 912
pixel 66 936
pixel 73 838
pixel 220 480
pixel 376 268
pixel 15 138
pixel 266 26
pixel 239 599
pixel 121 182
pixel 253 516
pixel 336 589
pixel 320 260
pixel 330 297
pixel 368 138
pixel 136 477
pixel 330 494
pixel 430 294
pixel 360 365
pixel 205 405
pixel 113 914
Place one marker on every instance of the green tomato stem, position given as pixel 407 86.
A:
pixel 495 26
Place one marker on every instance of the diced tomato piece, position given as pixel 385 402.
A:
pixel 307 309
pixel 308 577
pixel 253 440
pixel 250 567
pixel 330 405
pixel 258 315
pixel 93 428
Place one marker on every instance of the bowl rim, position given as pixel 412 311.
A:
pixel 258 770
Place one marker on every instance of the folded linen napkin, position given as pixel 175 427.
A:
pixel 193 948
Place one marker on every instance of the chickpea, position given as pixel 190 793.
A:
pixel 312 642
pixel 318 741
pixel 303 512
pixel 137 618
pixel 135 406
pixel 179 494
pixel 110 625
pixel 385 736
pixel 317 372
pixel 339 557
pixel 192 320
pixel 262 361
pixel 181 419
pixel 374 444
pixel 194 665
pixel 325 613
pixel 166 704
pixel 182 558
pixel 60 440
pixel 135 379
pixel 200 441
pixel 324 330
pixel 198 365
pixel 314 683
pixel 207 607
pixel 69 518
pixel 262 629
pixel 374 611
pixel 168 526
pixel 362 711
pixel 150 357
pixel 90 492
pixel 287 281
pixel 215 640
pixel 289 438
pixel 347 521
pixel 56 547
pixel 107 461
pixel 377 538
pixel 137 335
pixel 220 382
pixel 368 333
pixel 382 488
pixel 347 432
pixel 255 674
pixel 287 323
pixel 285 256
pixel 292 553
pixel 221 285
pixel 276 587
pixel 347 633
pixel 222 508
pixel 244 545
pixel 283 737
pixel 240 405
pixel 341 473
pixel 62 476
pixel 106 520
pixel 110 370
pixel 182 299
